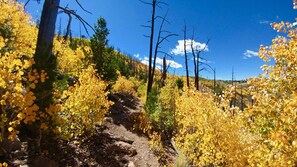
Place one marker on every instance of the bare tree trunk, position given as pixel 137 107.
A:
pixel 186 57
pixel 234 94
pixel 164 74
pixel 150 78
pixel 44 60
pixel 242 104
pixel 197 62
pixel 232 83
pixel 196 69
pixel 214 80
pixel 68 27
pixel 60 29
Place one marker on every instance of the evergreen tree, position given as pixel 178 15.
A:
pixel 103 56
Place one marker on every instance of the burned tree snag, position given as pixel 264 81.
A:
pixel 44 60
pixel 186 56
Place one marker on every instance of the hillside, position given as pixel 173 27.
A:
pixel 69 101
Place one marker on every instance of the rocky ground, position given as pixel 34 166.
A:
pixel 115 144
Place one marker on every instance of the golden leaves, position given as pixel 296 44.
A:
pixel 69 60
pixel 77 110
pixel 85 105
pixel 16 52
pixel 274 111
pixel 208 135
pixel 123 85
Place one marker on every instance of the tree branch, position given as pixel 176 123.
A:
pixel 26 3
pixel 145 2
pixel 166 37
pixel 145 26
pixel 79 4
pixel 84 23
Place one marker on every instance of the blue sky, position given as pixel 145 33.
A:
pixel 236 29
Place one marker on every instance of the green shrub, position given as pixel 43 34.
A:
pixel 180 83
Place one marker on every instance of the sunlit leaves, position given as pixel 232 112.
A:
pixel 17 45
pixel 124 85
pixel 70 61
pixel 85 106
pixel 274 93
pixel 209 135
pixel 73 112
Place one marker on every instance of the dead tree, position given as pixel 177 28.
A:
pixel 214 75
pixel 152 27
pixel 44 60
pixel 68 24
pixel 233 83
pixel 197 60
pixel 164 71
pixel 186 56
pixel 43 53
pixel 241 96
pixel 60 29
pixel 160 40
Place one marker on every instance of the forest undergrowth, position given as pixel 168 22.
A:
pixel 96 89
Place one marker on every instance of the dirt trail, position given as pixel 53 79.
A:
pixel 144 156
pixel 122 127
pixel 114 145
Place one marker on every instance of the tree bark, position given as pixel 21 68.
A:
pixel 44 60
pixel 186 57
pixel 164 74
pixel 214 80
pixel 68 27
pixel 150 78
pixel 195 63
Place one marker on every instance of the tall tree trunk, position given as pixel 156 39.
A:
pixel 214 80
pixel 68 30
pixel 186 57
pixel 242 103
pixel 164 74
pixel 150 78
pixel 196 69
pixel 44 60
pixel 235 94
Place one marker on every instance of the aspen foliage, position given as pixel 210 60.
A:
pixel 17 79
pixel 84 107
pixel 17 30
pixel 71 61
pixel 274 93
pixel 166 102
pixel 75 109
pixel 124 85
pixel 208 135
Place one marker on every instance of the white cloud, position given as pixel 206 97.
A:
pixel 173 64
pixel 136 55
pixel 170 63
pixel 249 54
pixel 145 61
pixel 159 63
pixel 179 49
pixel 158 67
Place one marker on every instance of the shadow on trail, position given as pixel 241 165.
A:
pixel 125 111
